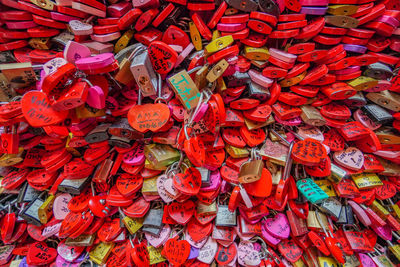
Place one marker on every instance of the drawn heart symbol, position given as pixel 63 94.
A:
pixel 40 254
pixel 290 250
pixel 189 182
pixel 351 158
pixel 38 112
pixel 157 241
pixel 181 212
pixel 278 226
pixel 176 251
pixel 148 117
pixel 197 230
pixel 208 251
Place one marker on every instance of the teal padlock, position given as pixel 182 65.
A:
pixel 311 190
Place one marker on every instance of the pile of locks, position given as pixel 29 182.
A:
pixel 200 133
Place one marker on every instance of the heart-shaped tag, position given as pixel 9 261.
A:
pixel 321 170
pixel 259 113
pixel 14 179
pixel 69 253
pixel 128 184
pixel 162 192
pixel 268 237
pixel 351 158
pixel 80 28
pixel 247 255
pixel 148 117
pixel 384 232
pixel 334 140
pixel 176 251
pixel 138 209
pixel 387 190
pixel 181 212
pixel 189 182
pixel 208 251
pixel 135 156
pixel 372 164
pixel 162 57
pixel 290 250
pixel 278 226
pixel 96 97
pixel 60 206
pixel 170 189
pixel 157 241
pixel 40 254
pixel 311 132
pixel 261 187
pixel 226 255
pixel 38 111
pixel 197 230
pixel 309 152
pixel 35 232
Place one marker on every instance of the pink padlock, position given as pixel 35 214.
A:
pixel 384 232
pixel 290 122
pixel 215 182
pixel 258 78
pixel 104 38
pixel 62 17
pixel 278 226
pixel 60 206
pixel 284 56
pixel 362 118
pixel 235 27
pixel 96 97
pixel 74 51
pixel 135 156
pixel 96 62
pixel 80 28
pixel 360 213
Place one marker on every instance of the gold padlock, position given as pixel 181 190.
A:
pixel 186 90
pixel 40 43
pixel 155 255
pixel 327 187
pixel 366 180
pixel 310 115
pixel 312 220
pixel 251 171
pixel 200 77
pixel 150 186
pixel 204 209
pixel 195 36
pixel 346 10
pixel 236 152
pixel 256 53
pixel 217 70
pixel 80 241
pixel 45 211
pixel 363 83
pixel 101 252
pixel 386 99
pixel 160 155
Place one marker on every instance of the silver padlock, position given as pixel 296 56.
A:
pixel 144 75
pixel 225 217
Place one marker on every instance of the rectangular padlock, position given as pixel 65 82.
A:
pixel 311 190
pixel 205 176
pixel 27 193
pixel 72 186
pixel 225 217
pixel 101 252
pixel 377 114
pixel 19 75
pixel 30 212
pixel 6 91
pixel 206 209
pixel 98 134
pixel 331 206
pixel 45 211
pixel 251 171
pixel 151 230
pixel 161 155
pixel 80 241
pixel 144 75
pixel 298 225
pixel 185 88
pixel 153 218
